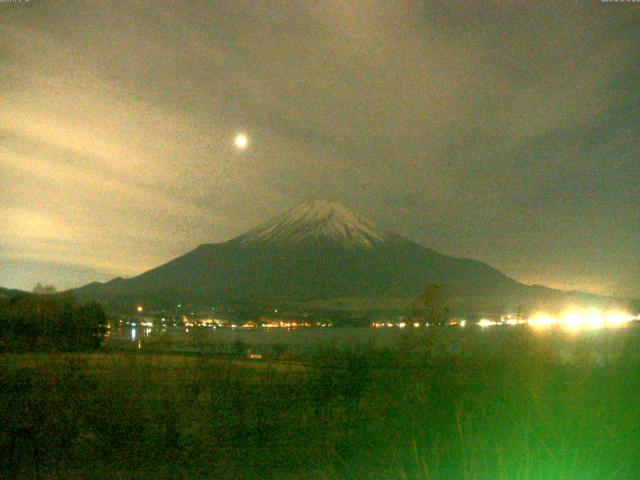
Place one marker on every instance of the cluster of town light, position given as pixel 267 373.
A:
pixel 214 323
pixel 573 319
pixel 295 324
pixel 404 324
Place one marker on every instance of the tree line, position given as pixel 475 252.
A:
pixel 47 323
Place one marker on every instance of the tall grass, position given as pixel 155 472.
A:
pixel 517 410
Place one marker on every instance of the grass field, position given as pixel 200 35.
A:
pixel 520 411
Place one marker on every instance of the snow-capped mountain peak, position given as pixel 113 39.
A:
pixel 318 221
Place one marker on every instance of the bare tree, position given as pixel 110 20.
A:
pixel 44 289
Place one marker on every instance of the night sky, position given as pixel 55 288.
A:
pixel 505 131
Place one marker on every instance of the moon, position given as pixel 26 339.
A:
pixel 241 141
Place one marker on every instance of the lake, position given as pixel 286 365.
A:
pixel 598 345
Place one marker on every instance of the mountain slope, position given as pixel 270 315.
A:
pixel 317 250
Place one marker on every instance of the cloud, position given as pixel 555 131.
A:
pixel 497 130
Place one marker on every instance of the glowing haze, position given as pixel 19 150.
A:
pixel 503 131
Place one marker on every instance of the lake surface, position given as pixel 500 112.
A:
pixel 597 345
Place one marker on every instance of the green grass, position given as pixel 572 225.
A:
pixel 517 411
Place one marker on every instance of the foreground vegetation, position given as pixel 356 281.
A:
pixel 410 412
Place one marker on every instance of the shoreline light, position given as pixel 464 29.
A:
pixel 580 319
pixel 484 322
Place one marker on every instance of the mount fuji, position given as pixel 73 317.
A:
pixel 320 252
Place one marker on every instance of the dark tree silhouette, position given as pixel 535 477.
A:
pixel 44 289
pixel 40 323
pixel 432 305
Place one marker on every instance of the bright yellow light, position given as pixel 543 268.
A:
pixel 241 141
pixel 486 323
pixel 615 319
pixel 572 320
pixel 595 319
pixel 578 319
pixel 139 309
pixel 541 320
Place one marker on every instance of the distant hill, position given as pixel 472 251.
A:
pixel 10 293
pixel 321 253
